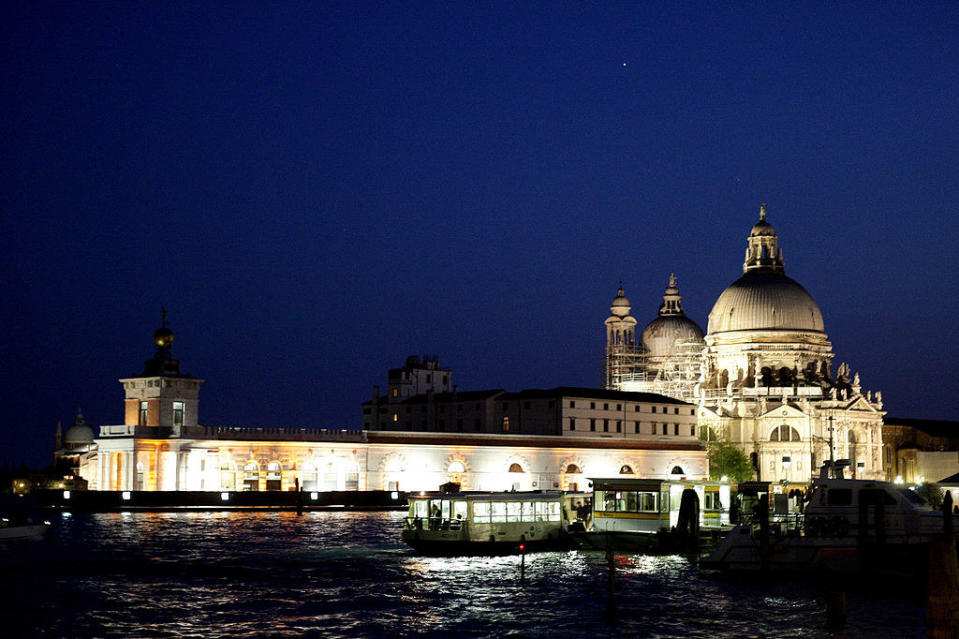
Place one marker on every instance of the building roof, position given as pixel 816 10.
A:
pixel 538 393
pixel 934 427
pixel 533 441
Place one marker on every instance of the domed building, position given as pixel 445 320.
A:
pixel 767 383
pixel 762 375
pixel 666 357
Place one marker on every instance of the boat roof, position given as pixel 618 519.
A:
pixel 499 496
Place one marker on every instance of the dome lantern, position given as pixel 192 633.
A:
pixel 763 252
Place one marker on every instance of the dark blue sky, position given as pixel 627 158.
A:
pixel 316 191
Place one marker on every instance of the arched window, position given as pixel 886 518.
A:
pixel 227 475
pixel 456 467
pixel 625 470
pixel 784 433
pixel 677 470
pixel 139 481
pixel 724 378
pixel 573 469
pixel 274 477
pixel 515 468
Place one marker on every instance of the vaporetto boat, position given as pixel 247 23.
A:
pixel 647 515
pixel 493 522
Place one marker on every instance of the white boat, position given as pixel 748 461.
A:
pixel 13 530
pixel 847 526
pixel 491 522
pixel 645 514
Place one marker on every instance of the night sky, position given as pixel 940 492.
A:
pixel 316 191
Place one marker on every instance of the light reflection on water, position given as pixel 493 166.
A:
pixel 343 574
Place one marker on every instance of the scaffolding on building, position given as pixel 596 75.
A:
pixel 676 374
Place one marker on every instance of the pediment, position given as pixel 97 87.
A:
pixel 860 404
pixel 784 411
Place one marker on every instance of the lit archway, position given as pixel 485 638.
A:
pixel 251 476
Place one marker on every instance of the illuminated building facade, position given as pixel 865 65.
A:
pixel 762 375
pixel 535 439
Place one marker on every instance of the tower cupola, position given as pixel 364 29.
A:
pixel 763 252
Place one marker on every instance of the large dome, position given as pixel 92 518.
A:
pixel 660 336
pixel 765 300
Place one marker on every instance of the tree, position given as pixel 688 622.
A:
pixel 931 493
pixel 725 458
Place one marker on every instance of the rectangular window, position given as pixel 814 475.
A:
pixel 592 425
pixel 675 411
pixel 619 426
pixel 654 428
pixel 692 431
pixel 572 403
pixel 605 406
pixel 396 417
pixel 654 409
pixel 396 392
pixel 675 429
pixel 636 427
pixel 605 425
pixel 142 419
pixel 178 414
pixel 619 407
pixel 514 511
pixel 572 423
pixel 506 424
pixel 637 408
pixel 592 405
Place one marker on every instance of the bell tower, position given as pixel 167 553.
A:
pixel 161 397
pixel 620 341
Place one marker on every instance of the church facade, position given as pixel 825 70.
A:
pixel 761 375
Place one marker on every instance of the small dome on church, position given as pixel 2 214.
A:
pixel 79 433
pixel 669 334
pixel 620 306
pixel 672 331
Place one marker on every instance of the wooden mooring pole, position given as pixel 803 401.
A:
pixel 942 608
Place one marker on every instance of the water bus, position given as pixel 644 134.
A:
pixel 655 514
pixel 847 526
pixel 492 522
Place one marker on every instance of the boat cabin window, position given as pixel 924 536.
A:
pixel 873 496
pixel 839 496
pixel 420 508
pixel 628 501
pixel 912 497
pixel 711 500
pixel 515 511
pixel 459 510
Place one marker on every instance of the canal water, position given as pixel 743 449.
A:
pixel 346 574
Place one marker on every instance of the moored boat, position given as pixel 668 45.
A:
pixel 655 515
pixel 492 522
pixel 847 526
pixel 16 530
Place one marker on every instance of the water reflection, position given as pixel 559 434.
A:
pixel 343 574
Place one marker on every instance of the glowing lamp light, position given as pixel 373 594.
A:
pixel 724 478
pixel 224 496
pixel 522 547
pixel 66 494
pixel 314 496
pixel 898 480
pixel 126 495
pixel 395 495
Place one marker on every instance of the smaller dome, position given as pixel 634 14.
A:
pixel 620 306
pixel 663 336
pixel 79 433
